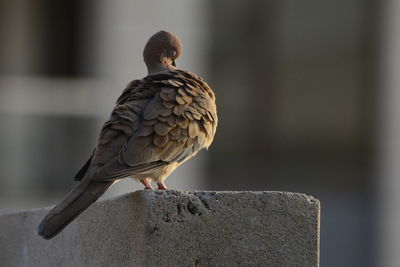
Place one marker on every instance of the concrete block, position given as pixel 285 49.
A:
pixel 173 228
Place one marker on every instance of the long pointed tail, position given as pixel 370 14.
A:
pixel 78 200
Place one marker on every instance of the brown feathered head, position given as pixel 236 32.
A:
pixel 161 51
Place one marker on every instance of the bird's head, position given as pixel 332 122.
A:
pixel 161 51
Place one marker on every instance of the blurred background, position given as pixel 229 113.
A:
pixel 307 97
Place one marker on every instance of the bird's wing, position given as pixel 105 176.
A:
pixel 81 173
pixel 123 122
pixel 171 121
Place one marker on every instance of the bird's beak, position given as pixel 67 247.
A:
pixel 173 63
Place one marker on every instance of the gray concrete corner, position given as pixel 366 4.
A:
pixel 173 228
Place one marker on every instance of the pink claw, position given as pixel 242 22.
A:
pixel 162 186
pixel 146 183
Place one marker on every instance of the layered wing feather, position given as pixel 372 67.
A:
pixel 160 119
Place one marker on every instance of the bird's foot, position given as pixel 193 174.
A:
pixel 162 186
pixel 147 183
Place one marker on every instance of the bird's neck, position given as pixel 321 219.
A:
pixel 158 67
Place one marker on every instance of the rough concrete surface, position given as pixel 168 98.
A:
pixel 173 228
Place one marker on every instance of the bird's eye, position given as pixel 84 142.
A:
pixel 173 53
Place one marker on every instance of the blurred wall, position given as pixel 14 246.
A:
pixel 388 182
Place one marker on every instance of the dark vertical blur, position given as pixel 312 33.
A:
pixel 49 29
pixel 295 88
pixel 63 22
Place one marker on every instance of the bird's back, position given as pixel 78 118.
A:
pixel 161 119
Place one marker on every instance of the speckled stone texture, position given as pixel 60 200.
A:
pixel 173 228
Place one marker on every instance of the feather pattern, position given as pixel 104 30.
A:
pixel 167 117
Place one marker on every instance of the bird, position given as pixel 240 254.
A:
pixel 157 123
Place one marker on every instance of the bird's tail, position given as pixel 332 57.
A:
pixel 78 200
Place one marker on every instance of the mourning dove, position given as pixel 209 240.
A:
pixel 158 123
